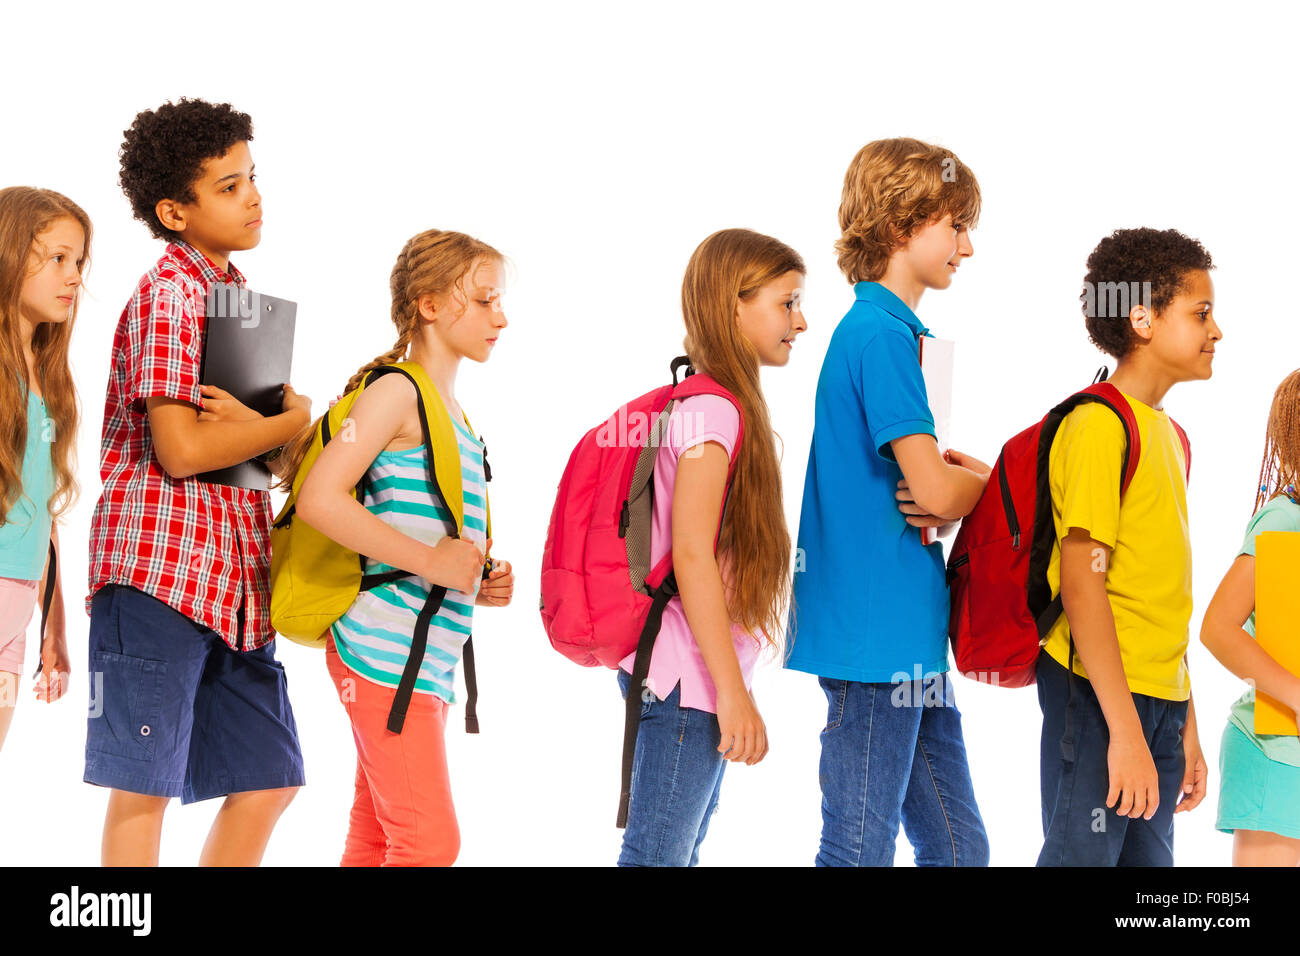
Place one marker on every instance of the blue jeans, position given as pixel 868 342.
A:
pixel 1078 828
pixel 894 753
pixel 676 777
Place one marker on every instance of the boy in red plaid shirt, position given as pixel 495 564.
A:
pixel 194 703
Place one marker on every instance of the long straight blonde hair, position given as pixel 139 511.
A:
pixel 730 267
pixel 25 213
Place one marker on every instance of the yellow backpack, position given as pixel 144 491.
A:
pixel 314 579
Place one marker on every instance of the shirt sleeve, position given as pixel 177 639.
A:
pixel 1085 467
pixel 1271 517
pixel 704 418
pixel 165 352
pixel 893 391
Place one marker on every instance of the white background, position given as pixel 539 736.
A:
pixel 596 146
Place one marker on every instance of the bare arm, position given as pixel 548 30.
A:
pixel 697 507
pixel 1222 632
pixel 188 442
pixel 326 503
pixel 1083 595
pixel 944 490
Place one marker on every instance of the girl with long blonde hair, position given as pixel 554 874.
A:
pixel 741 304
pixel 446 294
pixel 44 250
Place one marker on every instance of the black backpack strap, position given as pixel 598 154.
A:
pixel 419 641
pixel 640 670
pixel 47 599
pixel 420 637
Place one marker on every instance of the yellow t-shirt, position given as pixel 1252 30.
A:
pixel 1149 577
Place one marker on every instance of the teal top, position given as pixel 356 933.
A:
pixel 374 636
pixel 1280 514
pixel 25 534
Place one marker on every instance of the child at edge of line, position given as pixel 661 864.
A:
pixel 194 703
pixel 741 303
pixel 45 252
pixel 1259 790
pixel 875 475
pixel 446 290
pixel 1120 754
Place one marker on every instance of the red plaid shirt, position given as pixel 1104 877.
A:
pixel 202 548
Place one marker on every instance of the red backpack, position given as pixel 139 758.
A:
pixel 1001 606
pixel 601 600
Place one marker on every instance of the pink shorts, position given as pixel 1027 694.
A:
pixel 17 605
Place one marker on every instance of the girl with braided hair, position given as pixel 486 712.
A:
pixel 446 290
pixel 1259 797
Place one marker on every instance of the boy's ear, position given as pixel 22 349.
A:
pixel 1140 319
pixel 170 214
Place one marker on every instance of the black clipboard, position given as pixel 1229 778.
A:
pixel 248 351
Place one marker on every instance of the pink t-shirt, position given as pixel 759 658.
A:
pixel 676 657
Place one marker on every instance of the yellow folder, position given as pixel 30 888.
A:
pixel 1277 620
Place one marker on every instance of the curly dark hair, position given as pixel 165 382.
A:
pixel 1131 267
pixel 164 151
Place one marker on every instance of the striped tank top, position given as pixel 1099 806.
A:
pixel 374 637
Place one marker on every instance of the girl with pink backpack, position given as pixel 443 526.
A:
pixel 715 518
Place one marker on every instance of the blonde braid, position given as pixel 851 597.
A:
pixel 405 313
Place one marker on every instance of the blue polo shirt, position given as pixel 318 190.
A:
pixel 870 601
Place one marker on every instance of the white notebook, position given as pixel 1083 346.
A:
pixel 936 370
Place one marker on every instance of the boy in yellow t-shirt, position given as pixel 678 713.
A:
pixel 1120 752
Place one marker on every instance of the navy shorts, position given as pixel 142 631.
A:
pixel 174 712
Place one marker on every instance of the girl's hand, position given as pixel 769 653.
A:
pixel 1133 778
pixel 917 516
pixel 498 587
pixel 744 738
pixel 456 564
pixel 52 682
pixel 220 406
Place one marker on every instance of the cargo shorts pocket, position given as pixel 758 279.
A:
pixel 126 707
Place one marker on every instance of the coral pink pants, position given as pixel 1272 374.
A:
pixel 402 814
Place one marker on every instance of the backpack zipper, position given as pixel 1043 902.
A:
pixel 1013 523
pixel 624 519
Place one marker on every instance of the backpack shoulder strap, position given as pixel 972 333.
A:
pixel 1187 448
pixel 1107 394
pixel 439 437
pixel 700 383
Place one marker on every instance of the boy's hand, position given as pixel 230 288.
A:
pixel 917 516
pixel 743 736
pixel 1133 778
pixel 1195 773
pixel 970 463
pixel 292 401
pixel 498 587
pixel 220 406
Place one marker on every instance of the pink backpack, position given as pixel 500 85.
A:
pixel 601 600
